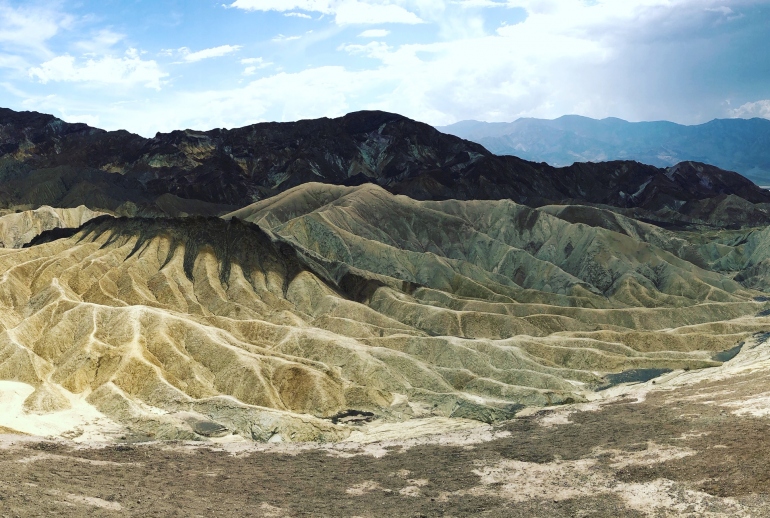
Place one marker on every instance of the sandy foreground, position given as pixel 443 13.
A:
pixel 691 443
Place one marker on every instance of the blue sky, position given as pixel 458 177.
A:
pixel 160 65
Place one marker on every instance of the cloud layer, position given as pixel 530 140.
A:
pixel 345 12
pixel 434 60
pixel 128 70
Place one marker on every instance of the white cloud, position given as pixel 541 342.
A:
pixel 214 52
pixel 374 33
pixel 298 15
pixel 346 12
pixel 129 70
pixel 29 27
pixel 755 109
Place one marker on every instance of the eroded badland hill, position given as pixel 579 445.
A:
pixel 441 330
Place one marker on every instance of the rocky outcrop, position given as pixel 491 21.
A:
pixel 19 228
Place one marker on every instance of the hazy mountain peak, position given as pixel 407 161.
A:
pixel 741 145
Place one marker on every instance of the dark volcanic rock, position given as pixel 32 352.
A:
pixel 45 160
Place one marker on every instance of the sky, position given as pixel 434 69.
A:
pixel 159 65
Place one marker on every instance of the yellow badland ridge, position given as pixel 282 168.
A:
pixel 293 317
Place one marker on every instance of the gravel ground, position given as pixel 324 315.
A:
pixel 696 450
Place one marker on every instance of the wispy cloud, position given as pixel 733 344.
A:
pixel 323 6
pixel 254 64
pixel 214 52
pixel 12 62
pixel 374 33
pixel 346 12
pixel 723 9
pixel 281 38
pixel 100 43
pixel 374 49
pixel 30 26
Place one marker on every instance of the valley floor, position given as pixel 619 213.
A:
pixel 690 444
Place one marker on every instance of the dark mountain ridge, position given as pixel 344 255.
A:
pixel 44 160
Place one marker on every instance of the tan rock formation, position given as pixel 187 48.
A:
pixel 18 229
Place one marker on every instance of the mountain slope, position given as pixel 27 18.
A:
pixel 47 161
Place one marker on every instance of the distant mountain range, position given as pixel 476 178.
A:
pixel 741 145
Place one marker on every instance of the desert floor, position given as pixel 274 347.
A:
pixel 690 444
